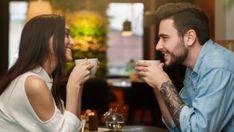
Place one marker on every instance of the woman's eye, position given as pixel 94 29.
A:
pixel 67 33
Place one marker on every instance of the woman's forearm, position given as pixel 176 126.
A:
pixel 72 98
pixel 79 101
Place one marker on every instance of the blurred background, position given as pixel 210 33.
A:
pixel 117 32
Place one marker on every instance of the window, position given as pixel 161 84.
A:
pixel 124 49
pixel 17 19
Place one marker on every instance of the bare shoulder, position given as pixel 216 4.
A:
pixel 35 86
pixel 39 97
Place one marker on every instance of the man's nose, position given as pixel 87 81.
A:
pixel 158 45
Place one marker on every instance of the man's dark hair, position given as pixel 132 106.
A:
pixel 186 16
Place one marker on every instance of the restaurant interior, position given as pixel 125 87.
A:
pixel 98 27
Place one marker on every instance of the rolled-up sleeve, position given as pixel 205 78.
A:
pixel 173 128
pixel 185 119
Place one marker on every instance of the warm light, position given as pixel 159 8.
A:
pixel 127 29
pixel 38 7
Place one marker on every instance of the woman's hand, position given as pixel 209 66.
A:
pixel 152 74
pixel 80 73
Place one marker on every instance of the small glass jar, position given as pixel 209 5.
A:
pixel 114 120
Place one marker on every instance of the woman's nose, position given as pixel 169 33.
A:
pixel 72 42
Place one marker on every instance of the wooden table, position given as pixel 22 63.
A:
pixel 137 128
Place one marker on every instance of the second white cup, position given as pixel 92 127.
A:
pixel 151 61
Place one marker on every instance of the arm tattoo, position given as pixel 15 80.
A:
pixel 172 100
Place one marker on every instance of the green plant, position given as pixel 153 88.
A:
pixel 88 30
pixel 229 4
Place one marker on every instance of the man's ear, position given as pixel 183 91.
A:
pixel 190 37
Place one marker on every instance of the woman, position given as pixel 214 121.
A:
pixel 29 94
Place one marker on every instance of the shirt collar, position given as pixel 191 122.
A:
pixel 204 50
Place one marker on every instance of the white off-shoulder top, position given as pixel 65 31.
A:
pixel 17 114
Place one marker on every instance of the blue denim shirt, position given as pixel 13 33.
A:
pixel 208 92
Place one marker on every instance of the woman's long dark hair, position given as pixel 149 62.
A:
pixel 34 50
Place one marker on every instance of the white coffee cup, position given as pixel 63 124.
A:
pixel 93 61
pixel 151 61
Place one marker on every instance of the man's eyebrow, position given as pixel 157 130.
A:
pixel 163 35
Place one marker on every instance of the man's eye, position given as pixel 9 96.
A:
pixel 164 38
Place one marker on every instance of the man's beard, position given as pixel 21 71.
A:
pixel 179 57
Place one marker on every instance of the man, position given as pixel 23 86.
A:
pixel 206 102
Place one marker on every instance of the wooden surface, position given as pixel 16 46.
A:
pixel 135 129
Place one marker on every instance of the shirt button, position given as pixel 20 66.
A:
pixel 194 88
pixel 194 74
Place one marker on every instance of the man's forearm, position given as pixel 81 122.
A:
pixel 172 100
pixel 163 108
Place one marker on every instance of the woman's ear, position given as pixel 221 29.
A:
pixel 190 37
